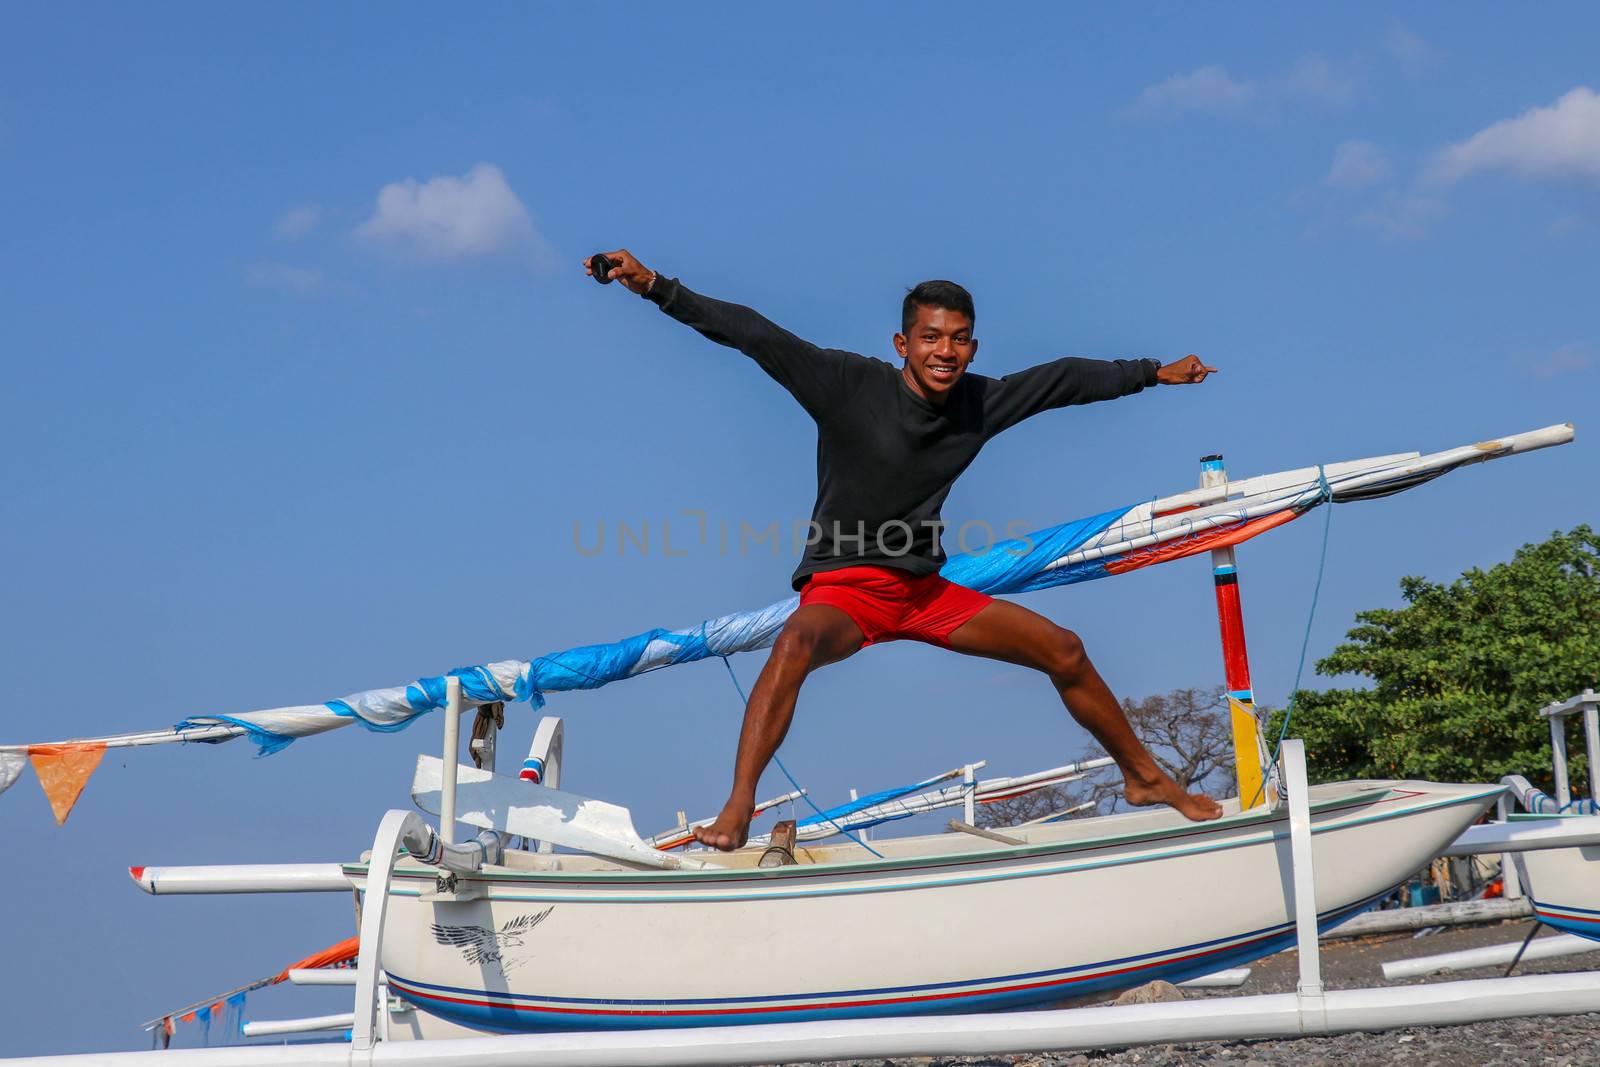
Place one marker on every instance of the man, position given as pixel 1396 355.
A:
pixel 890 443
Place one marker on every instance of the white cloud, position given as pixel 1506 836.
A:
pixel 301 280
pixel 1206 89
pixel 1407 47
pixel 448 219
pixel 1402 216
pixel 298 221
pixel 1356 165
pixel 1557 142
pixel 1317 79
pixel 1560 362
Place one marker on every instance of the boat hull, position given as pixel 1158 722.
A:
pixel 1564 885
pixel 953 931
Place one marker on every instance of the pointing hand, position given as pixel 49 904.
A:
pixel 1186 371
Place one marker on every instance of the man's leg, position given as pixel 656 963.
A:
pixel 815 636
pixel 1010 632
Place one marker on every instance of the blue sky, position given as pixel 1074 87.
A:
pixel 307 391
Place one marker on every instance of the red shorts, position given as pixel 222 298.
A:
pixel 893 605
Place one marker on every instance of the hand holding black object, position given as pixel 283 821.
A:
pixel 619 266
pixel 1186 371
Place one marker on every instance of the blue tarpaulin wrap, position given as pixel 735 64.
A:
pixel 1014 566
pixel 836 815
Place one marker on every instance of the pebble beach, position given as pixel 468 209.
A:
pixel 1537 1041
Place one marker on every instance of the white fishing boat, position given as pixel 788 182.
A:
pixel 617 934
pixel 940 923
pixel 1563 884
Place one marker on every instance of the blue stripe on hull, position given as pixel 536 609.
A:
pixel 1572 926
pixel 1585 923
pixel 514 1020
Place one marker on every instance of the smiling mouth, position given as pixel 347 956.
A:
pixel 942 370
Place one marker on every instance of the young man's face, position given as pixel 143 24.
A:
pixel 936 351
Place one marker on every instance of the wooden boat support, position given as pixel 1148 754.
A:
pixel 1460 913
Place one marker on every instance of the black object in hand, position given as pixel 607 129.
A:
pixel 601 268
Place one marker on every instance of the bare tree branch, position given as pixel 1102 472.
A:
pixel 1186 730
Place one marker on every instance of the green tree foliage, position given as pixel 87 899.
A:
pixel 1459 673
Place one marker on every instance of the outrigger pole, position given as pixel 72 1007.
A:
pixel 1249 750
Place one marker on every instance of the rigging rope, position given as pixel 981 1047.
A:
pixel 804 795
pixel 1325 494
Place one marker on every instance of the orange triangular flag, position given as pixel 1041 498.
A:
pixel 343 952
pixel 64 770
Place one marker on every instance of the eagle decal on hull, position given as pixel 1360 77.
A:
pixel 480 945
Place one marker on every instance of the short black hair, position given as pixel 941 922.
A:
pixel 936 294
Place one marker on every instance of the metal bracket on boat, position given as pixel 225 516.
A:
pixel 978 831
pixel 491 717
pixel 448 888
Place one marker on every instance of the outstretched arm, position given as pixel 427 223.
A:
pixel 1072 380
pixel 814 376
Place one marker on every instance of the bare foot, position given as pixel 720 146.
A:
pixel 728 831
pixel 1196 807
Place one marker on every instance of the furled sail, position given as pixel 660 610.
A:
pixel 1112 542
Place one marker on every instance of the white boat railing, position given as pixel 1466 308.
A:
pixel 1587 705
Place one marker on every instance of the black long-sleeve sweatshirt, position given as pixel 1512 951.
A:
pixel 886 458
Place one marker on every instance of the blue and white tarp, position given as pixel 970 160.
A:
pixel 1112 542
pixel 1012 566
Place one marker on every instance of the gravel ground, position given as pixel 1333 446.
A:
pixel 1545 1041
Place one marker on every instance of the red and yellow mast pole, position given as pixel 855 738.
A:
pixel 1249 751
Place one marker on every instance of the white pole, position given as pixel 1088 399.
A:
pixel 1558 754
pixel 1257 503
pixel 322 976
pixel 242 878
pixel 1525 835
pixel 1313 1009
pixel 1490 955
pixel 268 1027
pixel 1078 1029
pixel 1510 880
pixel 1591 740
pixel 452 758
pixel 384 1006
pixel 970 803
pixel 1229 979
